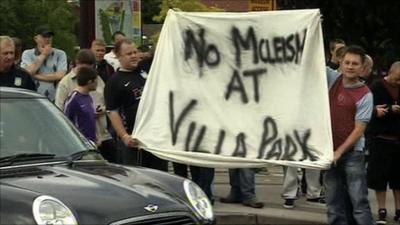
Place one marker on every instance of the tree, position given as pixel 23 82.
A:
pixel 149 10
pixel 19 18
pixel 371 24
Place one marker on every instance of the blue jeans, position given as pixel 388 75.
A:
pixel 242 184
pixel 348 177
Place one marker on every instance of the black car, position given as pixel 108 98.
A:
pixel 50 174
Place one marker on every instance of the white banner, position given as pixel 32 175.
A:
pixel 238 90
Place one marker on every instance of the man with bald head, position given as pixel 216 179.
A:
pixel 384 147
pixel 122 94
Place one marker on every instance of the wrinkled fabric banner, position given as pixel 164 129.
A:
pixel 238 90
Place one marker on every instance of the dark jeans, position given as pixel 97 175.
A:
pixel 109 151
pixel 203 177
pixel 348 177
pixel 180 169
pixel 140 157
pixel 242 184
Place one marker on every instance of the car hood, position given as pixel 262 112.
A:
pixel 100 194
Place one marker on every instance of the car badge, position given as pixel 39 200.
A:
pixel 151 208
pixel 17 81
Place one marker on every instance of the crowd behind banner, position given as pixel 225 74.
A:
pixel 106 89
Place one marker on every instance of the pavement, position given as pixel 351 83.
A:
pixel 268 190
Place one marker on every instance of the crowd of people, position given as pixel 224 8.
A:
pixel 101 94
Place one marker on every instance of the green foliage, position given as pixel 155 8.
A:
pixel 19 18
pixel 371 24
pixel 150 8
pixel 105 26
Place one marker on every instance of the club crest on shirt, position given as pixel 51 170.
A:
pixel 18 81
pixel 341 99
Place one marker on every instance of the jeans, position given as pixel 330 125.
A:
pixel 242 184
pixel 180 169
pixel 291 183
pixel 203 177
pixel 108 150
pixel 348 177
pixel 139 157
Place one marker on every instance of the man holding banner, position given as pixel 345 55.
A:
pixel 351 107
pixel 122 94
pixel 238 91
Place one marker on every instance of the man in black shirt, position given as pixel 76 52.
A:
pixel 334 45
pixel 122 95
pixel 10 74
pixel 104 70
pixel 384 144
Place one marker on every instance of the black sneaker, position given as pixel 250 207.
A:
pixel 397 215
pixel 289 203
pixel 381 216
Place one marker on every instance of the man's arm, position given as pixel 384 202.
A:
pixel 62 93
pixel 363 115
pixel 118 125
pixel 70 111
pixel 331 75
pixel 351 140
pixel 113 103
pixel 50 76
pixel 61 68
pixel 33 67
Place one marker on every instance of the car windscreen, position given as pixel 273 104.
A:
pixel 37 126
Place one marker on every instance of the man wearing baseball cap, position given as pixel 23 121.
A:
pixel 45 63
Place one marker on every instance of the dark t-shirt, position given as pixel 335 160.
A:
pixel 390 123
pixel 332 65
pixel 123 92
pixel 17 77
pixel 79 108
pixel 104 70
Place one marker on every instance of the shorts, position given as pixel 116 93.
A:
pixel 384 164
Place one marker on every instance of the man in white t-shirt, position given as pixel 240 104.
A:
pixel 110 57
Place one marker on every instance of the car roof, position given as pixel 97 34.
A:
pixel 8 92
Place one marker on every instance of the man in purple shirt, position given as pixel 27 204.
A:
pixel 79 107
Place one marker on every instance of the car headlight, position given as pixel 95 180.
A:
pixel 48 210
pixel 200 203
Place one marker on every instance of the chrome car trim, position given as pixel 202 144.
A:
pixel 33 164
pixel 47 164
pixel 154 216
